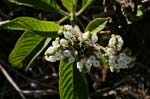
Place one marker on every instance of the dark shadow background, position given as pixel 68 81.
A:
pixel 127 84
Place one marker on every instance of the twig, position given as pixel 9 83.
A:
pixel 25 77
pixel 40 92
pixel 114 86
pixel 31 92
pixel 11 81
pixel 3 14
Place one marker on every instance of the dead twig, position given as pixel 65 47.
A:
pixel 25 92
pixel 11 81
pixel 40 92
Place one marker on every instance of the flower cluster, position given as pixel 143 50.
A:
pixel 85 64
pixel 83 48
pixel 59 50
pixel 118 58
pixel 75 46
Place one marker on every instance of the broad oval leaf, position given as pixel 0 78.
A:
pixel 40 27
pixel 69 4
pixel 97 25
pixel 27 48
pixel 72 84
pixel 38 4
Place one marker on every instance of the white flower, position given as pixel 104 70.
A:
pixel 121 66
pixel 122 55
pixel 112 68
pixel 80 66
pixel 86 35
pixel 67 53
pixel 67 35
pixel 50 58
pixel 91 43
pixel 88 66
pixel 128 60
pixel 96 63
pixel 112 62
pixel 110 51
pixel 58 56
pixel 74 32
pixel 71 59
pixel 112 42
pixel 125 59
pixel 120 62
pixel 89 61
pixel 94 38
pixel 56 44
pixel 120 41
pixel 50 50
pixel 46 58
pixel 68 27
pixel 92 58
pixel 63 42
pixel 119 48
pixel 116 42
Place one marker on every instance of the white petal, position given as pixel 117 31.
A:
pixel 67 35
pixel 63 42
pixel 110 51
pixel 50 50
pixel 94 38
pixel 92 58
pixel 112 42
pixel 67 53
pixel 50 58
pixel 79 65
pixel 96 63
pixel 86 35
pixel 68 27
pixel 71 59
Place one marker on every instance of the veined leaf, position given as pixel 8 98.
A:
pixel 38 4
pixel 28 47
pixel 71 82
pixel 40 27
pixel 97 25
pixel 69 4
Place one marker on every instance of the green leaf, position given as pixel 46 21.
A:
pixel 69 4
pixel 40 27
pixel 86 3
pixel 28 47
pixel 38 4
pixel 72 84
pixel 96 25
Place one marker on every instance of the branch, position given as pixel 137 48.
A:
pixel 40 92
pixel 11 81
pixel 26 77
pixel 27 92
